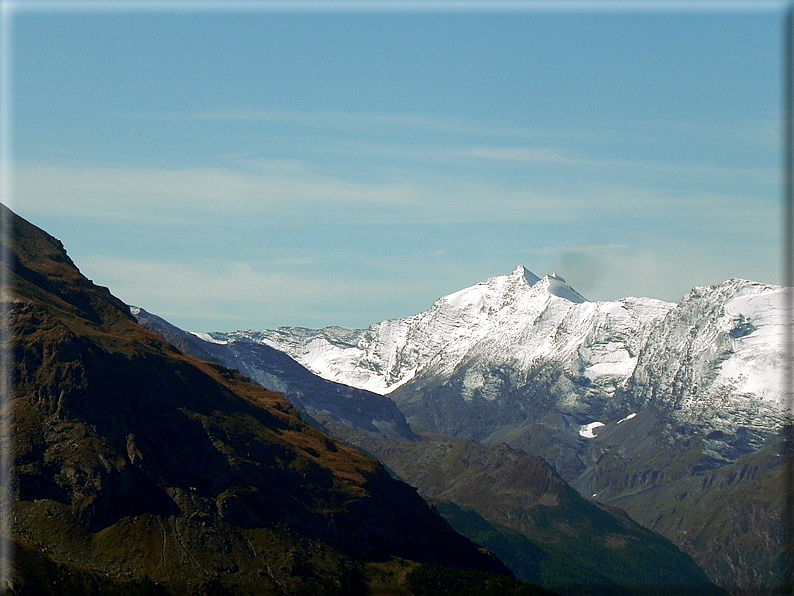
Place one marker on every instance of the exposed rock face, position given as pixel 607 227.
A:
pixel 139 469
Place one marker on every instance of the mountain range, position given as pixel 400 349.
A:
pixel 718 350
pixel 148 460
pixel 526 513
pixel 644 404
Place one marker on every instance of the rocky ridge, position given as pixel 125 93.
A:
pixel 319 400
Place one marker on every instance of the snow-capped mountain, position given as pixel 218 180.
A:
pixel 516 316
pixel 722 343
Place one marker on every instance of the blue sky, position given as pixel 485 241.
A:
pixel 251 167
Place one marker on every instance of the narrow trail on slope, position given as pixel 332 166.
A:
pixel 163 558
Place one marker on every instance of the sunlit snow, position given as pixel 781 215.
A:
pixel 587 430
pixel 731 334
pixel 208 338
pixel 757 362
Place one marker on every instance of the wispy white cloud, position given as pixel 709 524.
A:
pixel 203 282
pixel 765 132
pixel 129 193
pixel 290 189
pixel 516 154
pixel 163 195
pixel 256 163
pixel 574 163
pixel 637 167
pixel 293 262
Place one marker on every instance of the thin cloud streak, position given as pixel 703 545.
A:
pixel 141 193
pixel 464 156
pixel 763 133
pixel 541 155
pixel 346 120
pixel 292 191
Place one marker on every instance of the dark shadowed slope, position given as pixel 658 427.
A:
pixel 138 469
pixel 325 402
pixel 520 508
pixel 732 520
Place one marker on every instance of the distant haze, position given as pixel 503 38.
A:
pixel 230 170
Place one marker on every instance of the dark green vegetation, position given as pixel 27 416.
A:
pixel 515 505
pixel 39 575
pixel 140 470
pixel 434 580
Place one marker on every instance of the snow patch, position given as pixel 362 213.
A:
pixel 629 417
pixel 757 327
pixel 474 380
pixel 208 338
pixel 621 369
pixel 469 298
pixel 587 430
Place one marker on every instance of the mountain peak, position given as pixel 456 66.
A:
pixel 528 276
